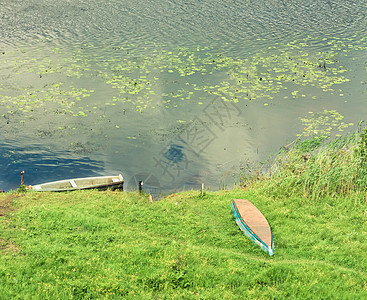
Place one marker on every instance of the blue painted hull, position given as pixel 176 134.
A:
pixel 249 233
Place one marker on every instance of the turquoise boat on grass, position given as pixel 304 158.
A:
pixel 253 223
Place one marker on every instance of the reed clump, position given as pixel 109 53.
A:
pixel 319 167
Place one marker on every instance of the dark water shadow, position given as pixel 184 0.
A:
pixel 42 165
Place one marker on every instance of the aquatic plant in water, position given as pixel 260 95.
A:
pixel 321 124
pixel 155 76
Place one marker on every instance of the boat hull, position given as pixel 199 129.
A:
pixel 253 223
pixel 100 183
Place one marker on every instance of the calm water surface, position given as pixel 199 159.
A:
pixel 174 93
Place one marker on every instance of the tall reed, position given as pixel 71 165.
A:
pixel 318 168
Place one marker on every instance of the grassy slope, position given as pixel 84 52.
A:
pixel 105 244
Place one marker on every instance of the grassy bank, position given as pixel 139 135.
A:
pixel 90 244
pixel 318 168
pixel 116 245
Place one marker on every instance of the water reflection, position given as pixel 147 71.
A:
pixel 183 92
pixel 42 165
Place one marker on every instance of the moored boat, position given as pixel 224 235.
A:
pixel 100 183
pixel 253 223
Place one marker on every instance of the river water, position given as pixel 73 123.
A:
pixel 174 93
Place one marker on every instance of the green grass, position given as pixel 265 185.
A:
pixel 100 245
pixel 318 168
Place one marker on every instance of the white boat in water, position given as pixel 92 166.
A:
pixel 100 183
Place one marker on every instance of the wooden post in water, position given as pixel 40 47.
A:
pixel 21 178
pixel 140 186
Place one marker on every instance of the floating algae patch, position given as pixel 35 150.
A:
pixel 43 61
pixel 39 84
pixel 149 77
pixel 157 80
pixel 322 124
pixel 280 68
pixel 54 99
pixel 284 70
